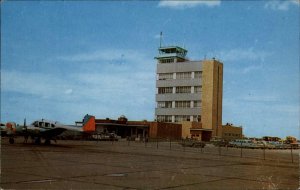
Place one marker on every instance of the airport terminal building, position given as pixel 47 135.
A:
pixel 188 101
pixel 189 91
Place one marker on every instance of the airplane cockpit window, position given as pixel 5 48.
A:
pixel 52 125
pixel 47 125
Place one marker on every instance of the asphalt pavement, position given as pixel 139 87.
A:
pixel 123 165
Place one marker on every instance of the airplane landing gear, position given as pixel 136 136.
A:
pixel 11 140
pixel 37 141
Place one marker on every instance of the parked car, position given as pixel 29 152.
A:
pixel 245 143
pixel 192 143
pixel 106 137
pixel 221 143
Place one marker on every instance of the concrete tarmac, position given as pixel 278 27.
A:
pixel 119 165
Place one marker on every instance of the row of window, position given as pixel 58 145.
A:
pixel 164 118
pixel 182 104
pixel 183 89
pixel 178 104
pixel 166 61
pixel 165 90
pixel 165 76
pixel 166 104
pixel 180 75
pixel 179 89
pixel 197 89
pixel 178 118
pixel 232 134
pixel 184 75
pixel 43 124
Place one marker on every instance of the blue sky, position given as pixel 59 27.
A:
pixel 61 60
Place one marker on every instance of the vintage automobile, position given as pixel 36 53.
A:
pixel 106 137
pixel 192 143
pixel 245 143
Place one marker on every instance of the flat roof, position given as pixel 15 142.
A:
pixel 118 124
pixel 200 129
pixel 172 47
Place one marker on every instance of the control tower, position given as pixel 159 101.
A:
pixel 188 90
pixel 171 54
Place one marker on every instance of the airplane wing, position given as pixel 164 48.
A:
pixel 50 133
pixel 73 128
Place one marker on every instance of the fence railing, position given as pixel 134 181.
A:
pixel 289 154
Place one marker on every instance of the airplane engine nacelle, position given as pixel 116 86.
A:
pixel 11 128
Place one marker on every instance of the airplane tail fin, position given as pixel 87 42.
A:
pixel 89 124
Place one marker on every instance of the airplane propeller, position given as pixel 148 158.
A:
pixel 25 131
pixel 24 126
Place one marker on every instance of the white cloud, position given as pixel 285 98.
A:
pixel 260 98
pixel 281 5
pixel 243 54
pixel 118 60
pixel 91 86
pixel 101 55
pixel 44 85
pixel 157 36
pixel 105 95
pixel 117 89
pixel 182 4
pixel 68 91
pixel 252 68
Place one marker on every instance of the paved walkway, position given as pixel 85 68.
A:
pixel 103 165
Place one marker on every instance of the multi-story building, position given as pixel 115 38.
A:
pixel 189 90
pixel 231 132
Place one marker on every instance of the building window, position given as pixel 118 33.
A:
pixel 198 75
pixel 167 104
pixel 165 76
pixel 164 118
pixel 183 89
pixel 179 118
pixel 165 90
pixel 198 89
pixel 197 104
pixel 197 118
pixel 184 75
pixel 166 61
pixel 182 104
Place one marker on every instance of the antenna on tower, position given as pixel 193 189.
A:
pixel 184 38
pixel 160 39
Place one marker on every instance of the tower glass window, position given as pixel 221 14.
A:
pixel 165 104
pixel 197 104
pixel 164 118
pixel 165 90
pixel 179 118
pixel 198 74
pixel 198 89
pixel 167 61
pixel 182 104
pixel 165 76
pixel 183 75
pixel 183 89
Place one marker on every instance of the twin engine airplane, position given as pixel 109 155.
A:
pixel 46 129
